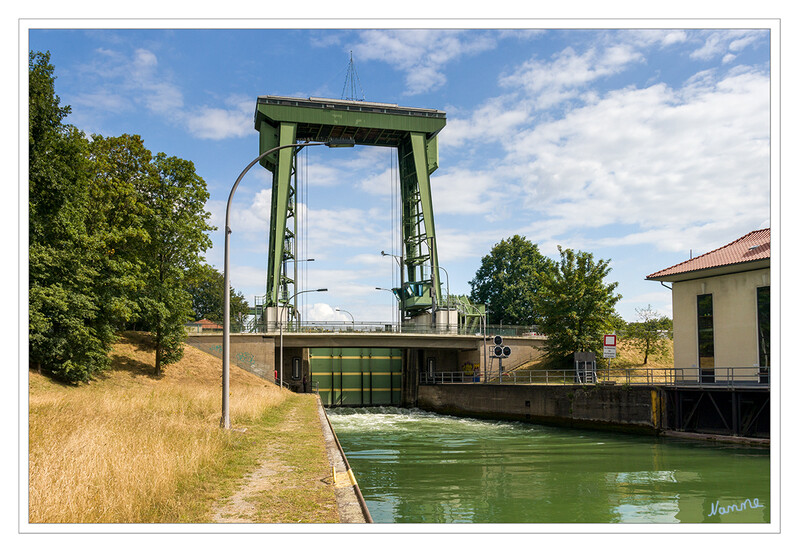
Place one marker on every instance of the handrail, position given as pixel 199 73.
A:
pixel 722 377
pixel 377 327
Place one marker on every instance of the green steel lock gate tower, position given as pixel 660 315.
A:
pixel 281 121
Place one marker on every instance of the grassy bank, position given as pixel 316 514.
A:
pixel 133 448
pixel 628 366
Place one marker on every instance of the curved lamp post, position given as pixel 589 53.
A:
pixel 280 323
pixel 351 316
pixel 400 261
pixel 399 325
pixel 225 421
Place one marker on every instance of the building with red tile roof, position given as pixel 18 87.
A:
pixel 721 309
pixel 200 326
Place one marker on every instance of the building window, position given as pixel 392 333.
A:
pixel 764 331
pixel 295 368
pixel 704 312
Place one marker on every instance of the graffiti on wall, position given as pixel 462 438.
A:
pixel 242 357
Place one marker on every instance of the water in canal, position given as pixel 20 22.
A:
pixel 417 467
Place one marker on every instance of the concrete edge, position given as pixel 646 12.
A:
pixel 350 508
pixel 732 439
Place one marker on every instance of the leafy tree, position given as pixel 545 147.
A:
pixel 576 305
pixel 508 280
pixel 650 334
pixel 69 336
pixel 177 224
pixel 113 232
pixel 117 215
pixel 206 286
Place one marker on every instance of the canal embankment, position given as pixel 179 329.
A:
pixel 639 409
pixel 629 409
pixel 136 447
pixel 351 504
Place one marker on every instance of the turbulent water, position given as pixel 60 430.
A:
pixel 417 467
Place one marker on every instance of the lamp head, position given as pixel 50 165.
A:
pixel 340 143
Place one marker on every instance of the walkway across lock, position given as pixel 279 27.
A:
pixel 360 376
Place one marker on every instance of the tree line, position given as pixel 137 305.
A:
pixel 117 236
pixel 568 299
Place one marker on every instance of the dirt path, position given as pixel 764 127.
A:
pixel 268 476
pixel 293 481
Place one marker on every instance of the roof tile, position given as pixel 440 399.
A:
pixel 754 246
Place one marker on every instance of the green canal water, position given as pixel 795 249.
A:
pixel 417 467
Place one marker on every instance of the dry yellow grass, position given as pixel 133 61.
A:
pixel 128 447
pixel 627 367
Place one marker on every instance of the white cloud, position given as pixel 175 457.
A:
pixel 118 82
pixel 421 54
pixel 718 43
pixel 138 79
pixel 552 82
pixel 378 184
pixel 494 120
pixel 322 312
pixel 653 158
pixel 217 123
pixel 669 160
pixel 464 192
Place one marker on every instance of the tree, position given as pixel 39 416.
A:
pixel 206 285
pixel 69 335
pixel 508 280
pixel 650 334
pixel 575 304
pixel 117 215
pixel 113 231
pixel 177 225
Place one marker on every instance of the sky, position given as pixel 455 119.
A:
pixel 640 146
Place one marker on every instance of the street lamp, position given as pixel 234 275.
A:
pixel 280 323
pixel 296 261
pixel 351 316
pixel 225 421
pixel 391 291
pixel 400 261
pixel 447 273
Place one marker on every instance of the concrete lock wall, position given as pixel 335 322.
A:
pixel 634 409
pixel 254 353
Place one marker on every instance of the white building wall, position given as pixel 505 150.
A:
pixel 734 318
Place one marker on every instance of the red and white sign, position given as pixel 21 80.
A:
pixel 609 349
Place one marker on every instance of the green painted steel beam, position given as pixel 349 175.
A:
pixel 420 150
pixel 281 182
pixel 413 131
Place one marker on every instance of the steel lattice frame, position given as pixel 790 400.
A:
pixel 412 131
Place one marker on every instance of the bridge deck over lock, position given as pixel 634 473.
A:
pixel 359 370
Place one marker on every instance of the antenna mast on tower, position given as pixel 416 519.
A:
pixel 350 84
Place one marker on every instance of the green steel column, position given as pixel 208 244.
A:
pixel 281 181
pixel 419 143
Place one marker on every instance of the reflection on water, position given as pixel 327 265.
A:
pixel 418 467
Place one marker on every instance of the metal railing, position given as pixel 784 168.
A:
pixel 377 327
pixel 723 377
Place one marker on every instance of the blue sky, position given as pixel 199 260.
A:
pixel 635 145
